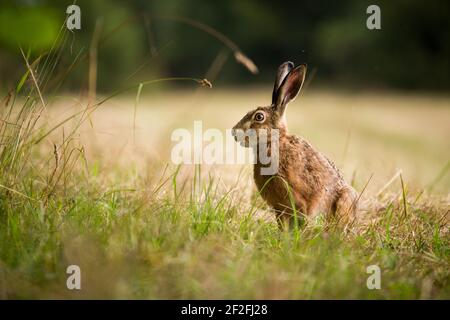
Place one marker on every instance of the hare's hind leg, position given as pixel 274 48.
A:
pixel 346 205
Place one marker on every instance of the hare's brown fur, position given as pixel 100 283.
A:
pixel 305 178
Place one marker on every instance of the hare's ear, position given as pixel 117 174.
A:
pixel 282 72
pixel 290 87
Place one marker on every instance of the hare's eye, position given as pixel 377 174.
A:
pixel 259 116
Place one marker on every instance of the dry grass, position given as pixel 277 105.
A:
pixel 363 133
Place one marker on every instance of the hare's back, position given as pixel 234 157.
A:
pixel 308 166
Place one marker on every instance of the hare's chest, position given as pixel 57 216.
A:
pixel 273 190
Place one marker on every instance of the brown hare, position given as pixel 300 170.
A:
pixel 306 181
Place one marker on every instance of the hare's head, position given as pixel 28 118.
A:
pixel 262 120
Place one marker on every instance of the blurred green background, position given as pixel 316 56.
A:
pixel 141 40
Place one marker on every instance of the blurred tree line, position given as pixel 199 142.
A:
pixel 143 39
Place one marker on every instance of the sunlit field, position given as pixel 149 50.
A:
pixel 100 191
pixel 364 134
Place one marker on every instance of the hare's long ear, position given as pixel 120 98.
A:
pixel 290 87
pixel 282 72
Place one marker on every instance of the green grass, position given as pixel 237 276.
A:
pixel 151 241
pixel 103 195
